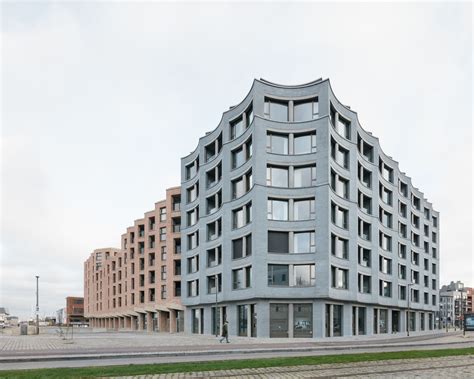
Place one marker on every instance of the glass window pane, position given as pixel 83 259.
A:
pixel 303 144
pixel 302 177
pixel 278 275
pixel 278 242
pixel 303 320
pixel 303 111
pixel 278 144
pixel 303 243
pixel 278 110
pixel 279 320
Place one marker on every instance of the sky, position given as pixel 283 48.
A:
pixel 100 100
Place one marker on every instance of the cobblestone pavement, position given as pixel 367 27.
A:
pixel 445 367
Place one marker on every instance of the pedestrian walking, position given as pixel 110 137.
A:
pixel 225 332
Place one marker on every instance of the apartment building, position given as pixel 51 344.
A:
pixel 138 287
pixel 455 300
pixel 75 311
pixel 297 224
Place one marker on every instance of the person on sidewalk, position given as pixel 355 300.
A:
pixel 225 332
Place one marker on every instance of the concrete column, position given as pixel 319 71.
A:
pixel 263 319
pixel 318 319
pixel 347 320
pixel 370 321
pixel 356 321
pixel 140 321
pixel 290 111
pixel 232 318
pixel 173 321
pixel 149 321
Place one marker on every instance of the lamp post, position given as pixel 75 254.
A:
pixel 37 306
pixel 462 324
pixel 216 279
pixel 408 308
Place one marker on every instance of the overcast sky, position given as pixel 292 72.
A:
pixel 100 101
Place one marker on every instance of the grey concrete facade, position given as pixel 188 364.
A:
pixel 328 276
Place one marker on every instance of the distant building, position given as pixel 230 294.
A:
pixel 75 311
pixel 12 321
pixel 454 301
pixel 61 316
pixel 3 317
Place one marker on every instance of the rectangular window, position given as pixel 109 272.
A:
pixel 192 193
pixel 304 209
pixel 303 275
pixel 385 194
pixel 214 256
pixel 214 230
pixel 339 277
pixel 365 176
pixel 305 110
pixel 163 234
pixel 193 264
pixel 385 242
pixel 277 176
pixel 404 189
pixel 402 209
pixel 193 288
pixel 365 203
pixel 339 247
pixel 366 150
pixel 242 216
pixel 192 216
pixel 279 320
pixel 214 285
pixel 278 242
pixel 237 127
pixel 241 278
pixel 277 209
pixel 364 230
pixel 278 275
pixel 402 272
pixel 339 216
pixel 303 320
pixel 385 288
pixel 213 176
pixel 339 185
pixel 242 317
pixel 385 265
pixel 304 143
pixel 276 109
pixel 193 240
pixel 386 171
pixel 364 257
pixel 385 218
pixel 277 143
pixel 304 242
pixel 162 215
pixel 242 185
pixel 213 148
pixel 242 247
pixel 339 154
pixel 304 176
pixel 365 283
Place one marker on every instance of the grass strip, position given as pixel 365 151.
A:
pixel 182 367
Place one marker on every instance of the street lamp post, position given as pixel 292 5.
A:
pixel 408 308
pixel 462 324
pixel 37 305
pixel 215 313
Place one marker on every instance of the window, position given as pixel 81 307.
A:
pixel 242 247
pixel 163 234
pixel 339 278
pixel 242 216
pixel 364 230
pixel 304 176
pixel 339 154
pixel 402 251
pixel 365 176
pixel 214 230
pixel 415 258
pixel 426 264
pixel 214 202
pixel 193 288
pixel 237 127
pixel 434 237
pixel 415 277
pixel 242 154
pixel 243 319
pixel 385 171
pixel 192 216
pixel 277 209
pixel 416 202
pixel 277 176
pixel 340 185
pixel 192 193
pixel 242 278
pixel 162 215
pixel 435 221
pixel 214 256
pixel 402 272
pixel 402 209
pixel 339 246
pixel 193 264
pixel 402 292
pixel 302 320
pixel 214 175
pixel 213 148
pixel 364 257
pixel 163 272
pixel 242 185
pixel 276 109
pixel 334 324
pixel 278 275
pixel 385 218
pixel 415 221
pixel 365 283
pixel 278 242
pixel 385 288
pixel 304 143
pixel 193 240
pixel 385 242
pixel 365 203
pixel 426 230
pixel 339 216
pixel 340 124
pixel 303 275
pixel 304 242
pixel 277 143
pixel 191 169
pixel 385 194
pixel 385 265
pixel 304 110
pixel 214 285
pixel 415 239
pixel 366 150
pixel 426 213
pixel 403 189
pixel 304 209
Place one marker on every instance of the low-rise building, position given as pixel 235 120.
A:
pixel 455 300
pixel 75 311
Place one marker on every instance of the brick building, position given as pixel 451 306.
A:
pixel 75 311
pixel 138 286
